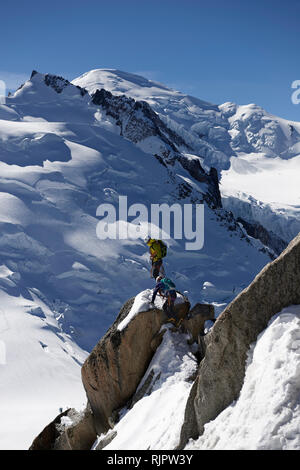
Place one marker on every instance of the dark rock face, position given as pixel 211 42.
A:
pixel 45 440
pixel 79 435
pixel 214 187
pixel 118 362
pixel 213 196
pixel 33 73
pixel 57 82
pixel 221 372
pixel 197 317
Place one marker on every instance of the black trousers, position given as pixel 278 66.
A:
pixel 156 267
pixel 168 306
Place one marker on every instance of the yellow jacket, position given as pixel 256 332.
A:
pixel 155 249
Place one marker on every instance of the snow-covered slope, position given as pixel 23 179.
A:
pixel 39 366
pixel 256 153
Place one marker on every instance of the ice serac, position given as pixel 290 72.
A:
pixel 221 372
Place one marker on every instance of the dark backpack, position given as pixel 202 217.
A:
pixel 163 248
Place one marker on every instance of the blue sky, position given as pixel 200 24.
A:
pixel 225 50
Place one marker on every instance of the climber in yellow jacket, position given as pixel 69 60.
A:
pixel 158 251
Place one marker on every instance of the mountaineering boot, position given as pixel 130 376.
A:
pixel 178 323
pixel 175 322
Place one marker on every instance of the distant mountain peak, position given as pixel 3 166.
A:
pixel 56 82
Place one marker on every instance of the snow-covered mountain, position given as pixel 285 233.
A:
pixel 65 148
pixel 255 153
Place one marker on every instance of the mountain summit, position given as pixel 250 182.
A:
pixel 255 153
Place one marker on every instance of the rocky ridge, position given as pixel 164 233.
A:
pixel 137 122
pixel 112 372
